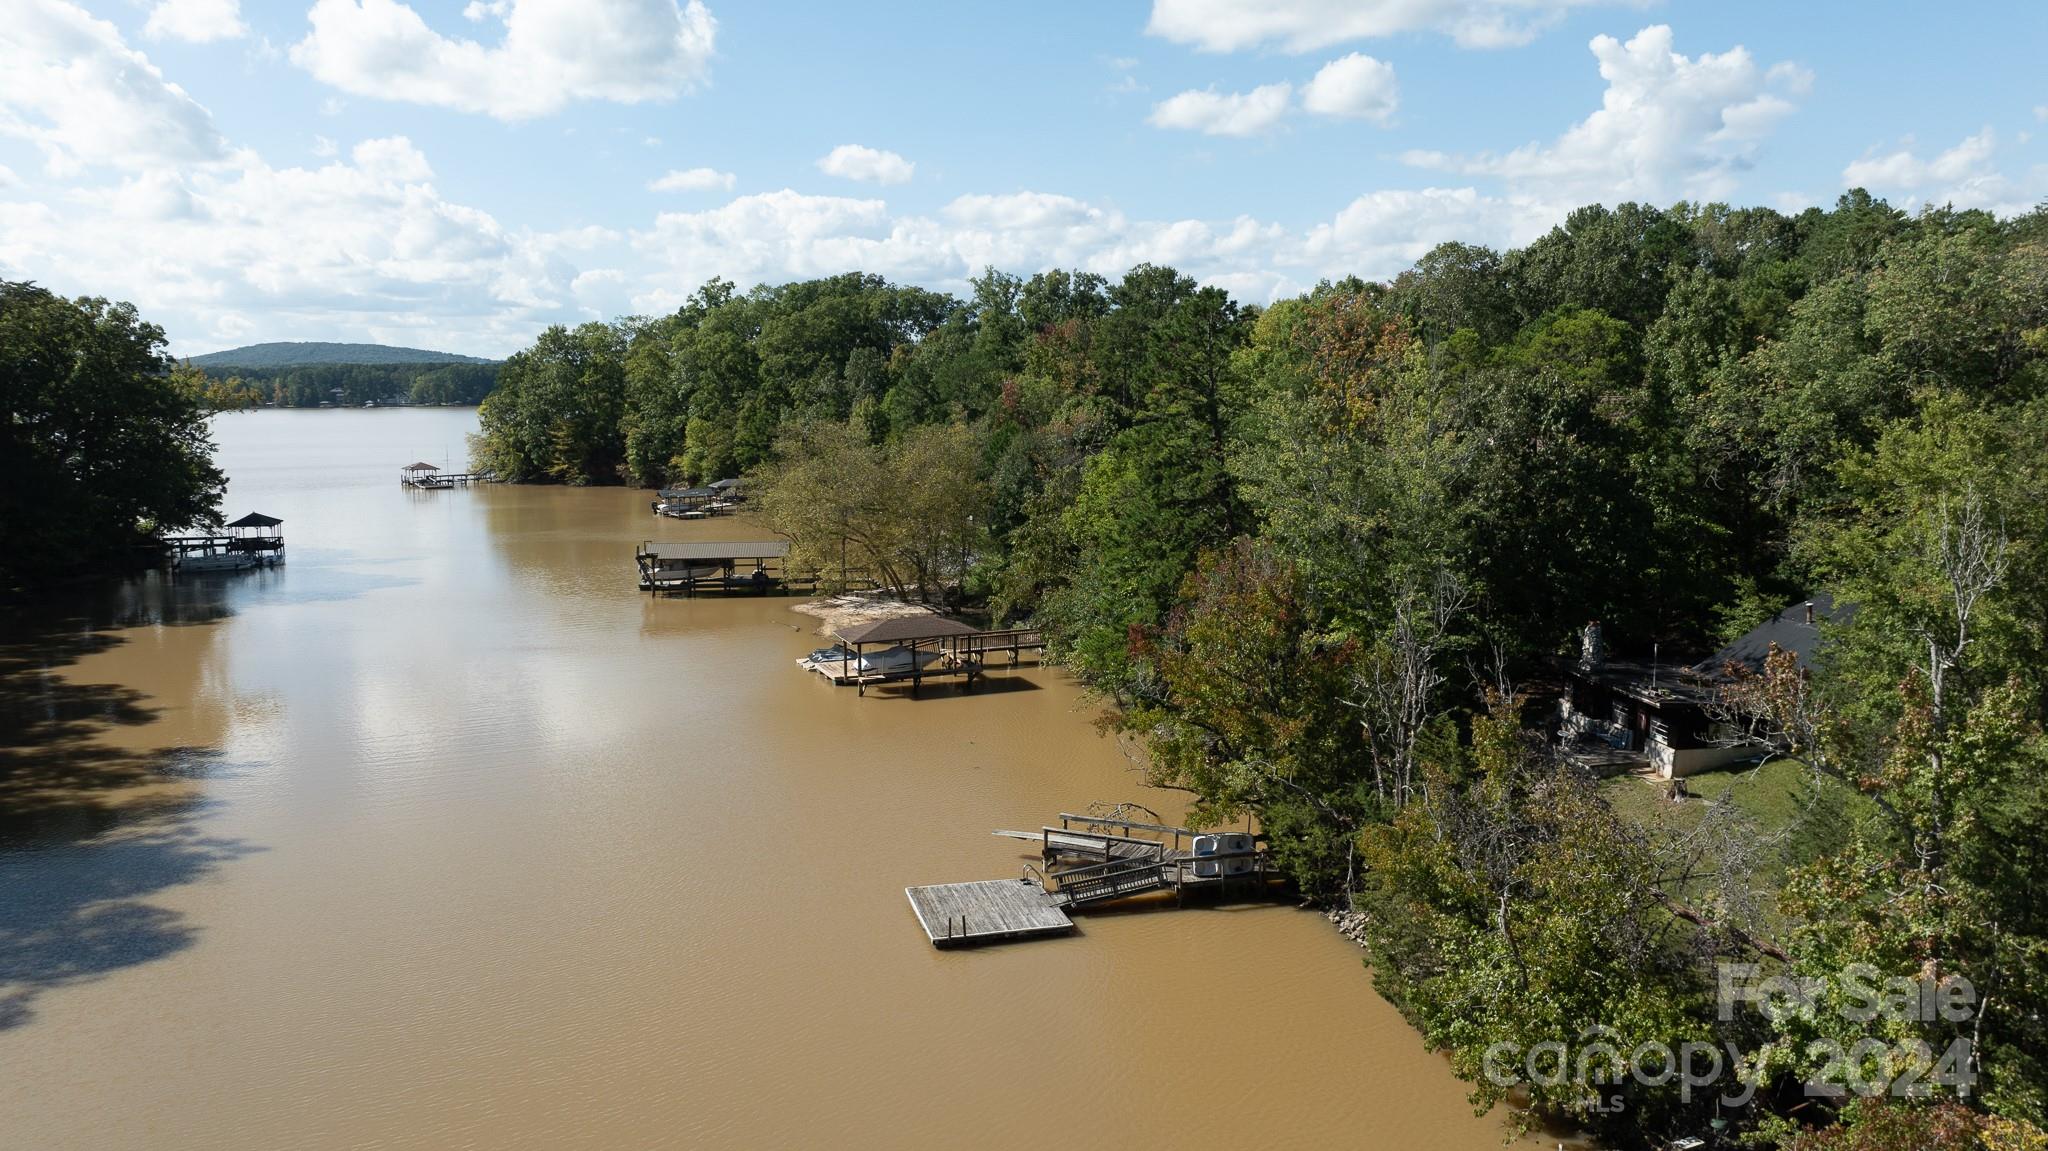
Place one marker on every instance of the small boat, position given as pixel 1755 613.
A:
pixel 894 661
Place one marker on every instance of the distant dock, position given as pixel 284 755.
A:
pixel 426 477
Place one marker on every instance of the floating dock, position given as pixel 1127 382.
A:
pixel 990 911
pixel 1091 860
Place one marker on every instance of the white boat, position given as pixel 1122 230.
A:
pixel 894 661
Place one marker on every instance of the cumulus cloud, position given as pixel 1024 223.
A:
pixel 1382 233
pixel 692 180
pixel 873 165
pixel 1668 126
pixel 1215 113
pixel 780 235
pixel 1355 87
pixel 1963 176
pixel 195 21
pixel 553 52
pixel 71 86
pixel 364 247
pixel 1306 25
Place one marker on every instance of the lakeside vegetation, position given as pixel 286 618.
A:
pixel 352 385
pixel 307 375
pixel 103 440
pixel 1313 552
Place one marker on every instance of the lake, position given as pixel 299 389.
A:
pixel 444 834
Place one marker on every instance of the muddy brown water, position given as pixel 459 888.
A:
pixel 444 835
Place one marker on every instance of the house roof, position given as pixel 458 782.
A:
pixel 1791 630
pixel 721 485
pixel 256 520
pixel 904 628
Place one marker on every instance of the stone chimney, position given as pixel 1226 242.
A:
pixel 1592 648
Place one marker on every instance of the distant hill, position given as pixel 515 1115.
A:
pixel 295 354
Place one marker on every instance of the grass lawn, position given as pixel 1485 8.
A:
pixel 1814 814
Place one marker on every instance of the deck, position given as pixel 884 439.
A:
pixel 987 911
pixel 1089 860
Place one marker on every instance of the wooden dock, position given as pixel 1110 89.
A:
pixel 988 911
pixel 1094 859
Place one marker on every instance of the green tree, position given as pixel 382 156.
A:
pixel 102 444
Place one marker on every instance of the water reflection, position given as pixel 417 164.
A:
pixel 75 909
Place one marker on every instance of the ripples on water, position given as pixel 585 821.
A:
pixel 443 833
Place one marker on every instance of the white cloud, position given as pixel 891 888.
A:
pixel 70 85
pixel 777 236
pixel 323 147
pixel 1225 113
pixel 1306 25
pixel 1356 87
pixel 2041 112
pixel 692 180
pixel 1669 126
pixel 220 247
pixel 553 52
pixel 196 21
pixel 1963 176
pixel 364 248
pixel 1380 234
pixel 856 162
pixel 393 159
pixel 7 177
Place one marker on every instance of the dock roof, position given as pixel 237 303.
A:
pixel 717 550
pixel 904 628
pixel 256 520
pixel 688 493
pixel 419 466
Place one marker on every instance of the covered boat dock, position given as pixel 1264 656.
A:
pixel 742 567
pixel 915 648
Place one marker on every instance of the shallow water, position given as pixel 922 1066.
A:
pixel 443 834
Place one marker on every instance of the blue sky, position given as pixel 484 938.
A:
pixel 458 175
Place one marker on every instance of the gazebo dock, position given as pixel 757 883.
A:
pixel 421 474
pixel 253 541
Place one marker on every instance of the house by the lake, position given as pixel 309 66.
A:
pixel 1631 714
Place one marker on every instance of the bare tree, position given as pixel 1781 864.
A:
pixel 1399 688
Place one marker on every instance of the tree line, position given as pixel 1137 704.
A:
pixel 1319 555
pixel 353 385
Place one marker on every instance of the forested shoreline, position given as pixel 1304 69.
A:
pixel 104 443
pixel 352 385
pixel 1319 554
